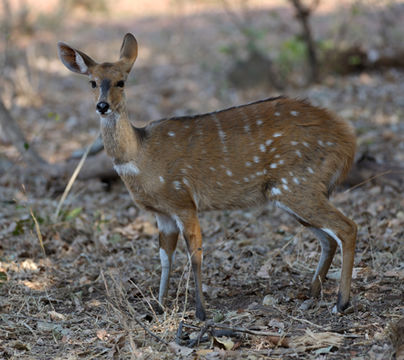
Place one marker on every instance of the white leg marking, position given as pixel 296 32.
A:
pixel 288 210
pixel 334 236
pixel 165 274
pixel 324 249
pixel 179 223
pixel 166 224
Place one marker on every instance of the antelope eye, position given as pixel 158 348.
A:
pixel 120 83
pixel 93 84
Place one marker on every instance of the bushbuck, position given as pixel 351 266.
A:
pixel 279 149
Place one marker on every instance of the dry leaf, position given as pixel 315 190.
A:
pixel 102 334
pixel 223 343
pixel 56 316
pixel 318 340
pixel 269 300
pixel 180 350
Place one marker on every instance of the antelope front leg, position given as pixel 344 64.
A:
pixel 193 238
pixel 168 237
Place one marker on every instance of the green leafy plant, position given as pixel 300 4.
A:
pixel 292 53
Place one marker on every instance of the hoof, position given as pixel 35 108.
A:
pixel 158 308
pixel 342 305
pixel 200 314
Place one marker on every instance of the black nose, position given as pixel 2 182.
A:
pixel 102 107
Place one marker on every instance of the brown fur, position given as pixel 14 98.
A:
pixel 279 149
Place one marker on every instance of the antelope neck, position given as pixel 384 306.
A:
pixel 119 136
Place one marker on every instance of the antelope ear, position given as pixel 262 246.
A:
pixel 75 60
pixel 128 53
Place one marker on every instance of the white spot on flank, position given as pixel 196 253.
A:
pixel 265 171
pixel 256 159
pixel 253 176
pixel 294 113
pixel 262 148
pixel 277 156
pixel 277 134
pixel 310 170
pixel 320 142
pixel 219 183
pixel 246 179
pixel 294 143
pixel 186 126
pixel 177 185
pixel 248 163
pixel 275 191
pixel 185 181
pixel 277 113
pixel 184 171
pixel 305 143
pixel 229 173
pixel 273 166
pixel 247 128
pixel 189 166
pixel 126 169
pixel 329 143
pixel 285 187
pixel 212 168
pixel 171 133
pixel 296 181
pixel 284 180
pixel 259 122
pixel 161 179
pixel 273 149
pixel 268 142
pixel 259 173
pixel 281 162
pixel 290 173
pixel 222 135
pixel 298 153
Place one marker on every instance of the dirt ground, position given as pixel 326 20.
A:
pixel 89 292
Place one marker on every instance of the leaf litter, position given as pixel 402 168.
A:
pixel 91 294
